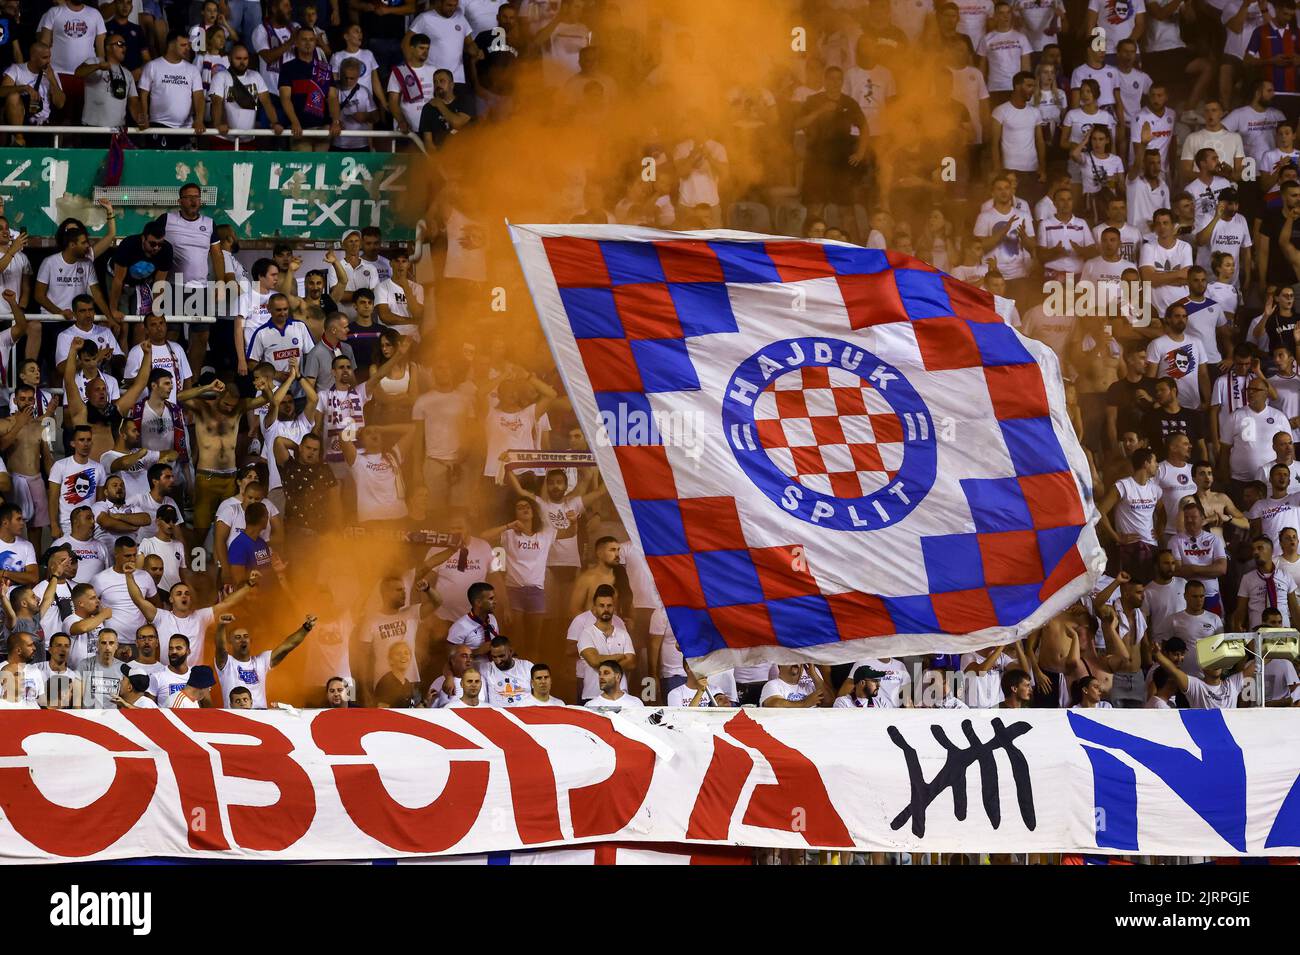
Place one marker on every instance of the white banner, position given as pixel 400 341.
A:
pixel 367 784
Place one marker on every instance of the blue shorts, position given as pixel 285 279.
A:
pixel 153 8
pixel 527 599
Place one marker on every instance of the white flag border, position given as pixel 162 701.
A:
pixel 545 293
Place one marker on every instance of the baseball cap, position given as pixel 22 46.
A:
pixel 351 232
pixel 867 673
pixel 139 681
pixel 201 677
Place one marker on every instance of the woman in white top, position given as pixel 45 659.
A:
pixel 1079 123
pixel 939 244
pixel 527 543
pixel 1102 169
pixel 394 382
pixel 1051 102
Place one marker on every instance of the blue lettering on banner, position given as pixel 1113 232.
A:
pixel 1214 786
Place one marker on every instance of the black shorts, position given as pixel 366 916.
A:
pixel 1050 699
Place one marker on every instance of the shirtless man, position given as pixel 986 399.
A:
pixel 217 411
pixel 96 410
pixel 1094 355
pixel 601 572
pixel 1055 657
pixel 26 453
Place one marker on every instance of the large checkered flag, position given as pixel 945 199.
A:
pixel 827 452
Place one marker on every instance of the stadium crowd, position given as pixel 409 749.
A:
pixel 1122 177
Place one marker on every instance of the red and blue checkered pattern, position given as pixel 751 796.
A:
pixel 658 322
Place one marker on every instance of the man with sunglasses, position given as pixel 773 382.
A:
pixel 112 98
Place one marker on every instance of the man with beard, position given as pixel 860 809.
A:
pixel 238 667
pixel 184 618
pixel 613 693
pixel 114 517
pixel 20 681
pixel 62 688
pixel 112 588
pixel 866 685
pixel 146 652
pixel 307 93
pixel 1264 585
pixel 130 460
pixel 167 683
pixel 95 412
pixel 1181 357
pixel 478 627
pixel 235 95
pixel 101 674
pixel 506 677
pixel 602 641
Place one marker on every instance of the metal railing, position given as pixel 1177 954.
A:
pixel 57 132
pixel 129 319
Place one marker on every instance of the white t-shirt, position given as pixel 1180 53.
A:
pixel 194 627
pixel 377 477
pixel 251 674
pixel 507 431
pixel 447 37
pixel 1201 696
pixel 1160 602
pixel 17 556
pixel 872 88
pixel 1255 588
pixel 171 357
pixel 1136 511
pixel 381 631
pixel 1258 130
pixel 72 35
pixel 166 684
pixel 78 484
pixel 1003 52
pixel 1181 361
pixel 1201 551
pixel 1072 236
pixel 471 632
pixel 982 690
pixel 1175 484
pixel 1019 143
pixel 626 701
pixel 613 645
pixel 170 552
pixel 92 556
pixel 267 37
pixel 1011 255
pixel 236 116
pixel 293 432
pixel 414 86
pixel 892 685
pixel 231 513
pixel 1231 237
pixel 65 281
pixel 280 346
pixel 444 414
pixel 1251 434
pixel 100 107
pixel 509 687
pixel 192 241
pixel 1162 134
pixel 135 476
pixel 791 692
pixel 526 556
pixel 171 88
pixel 390 293
pixel 111 587
pixel 1275 515
pixel 1143 201
pixel 341 408
pixel 453 583
pixel 101 335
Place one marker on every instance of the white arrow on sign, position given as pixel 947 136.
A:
pixel 56 174
pixel 242 173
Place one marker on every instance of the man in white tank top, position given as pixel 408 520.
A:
pixel 1137 519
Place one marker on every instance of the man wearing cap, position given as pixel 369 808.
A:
pixel 866 685
pixel 197 692
pixel 1226 230
pixel 133 694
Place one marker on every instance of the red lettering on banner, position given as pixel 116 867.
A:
pixel 796 802
pixel 533 795
pixel 432 828
pixel 192 766
pixel 263 828
pixel 609 805
pixel 60 830
pixel 720 792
